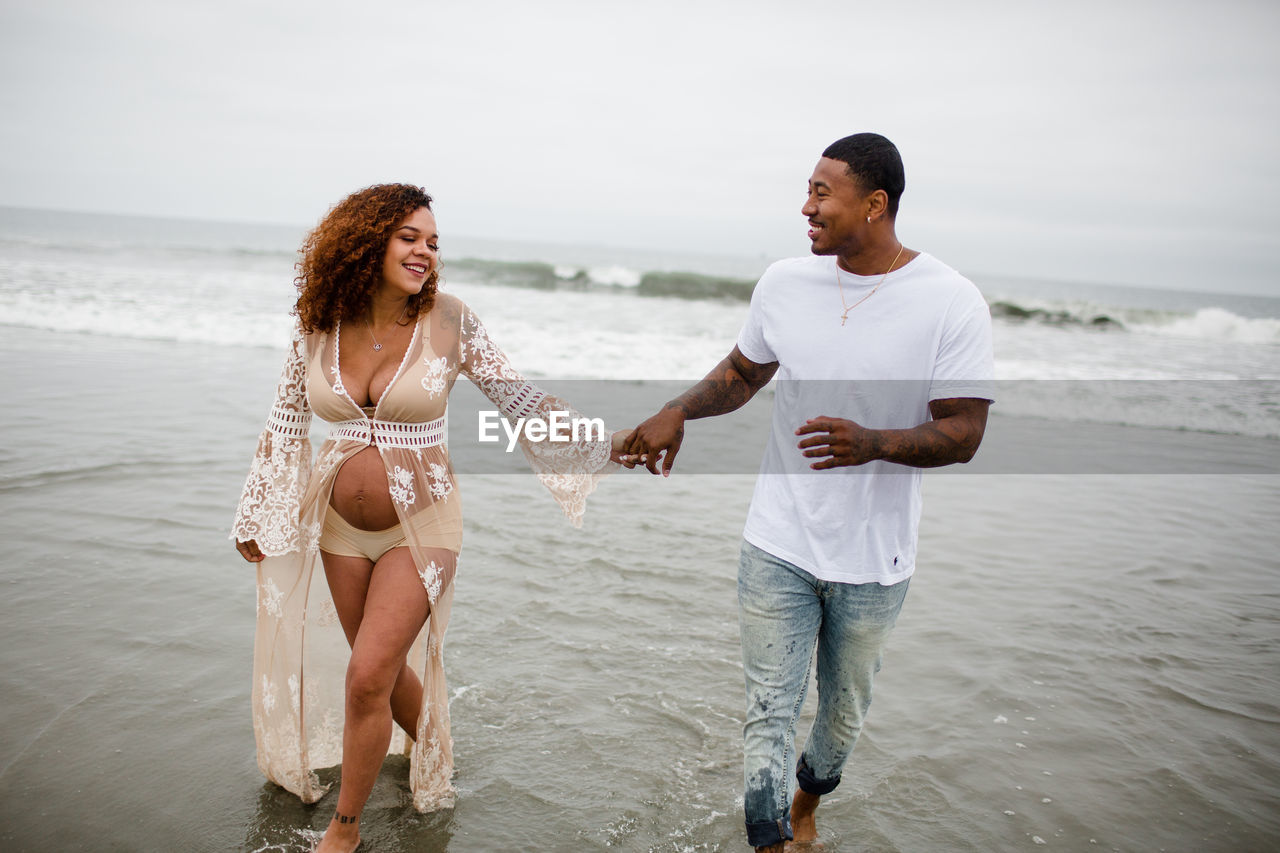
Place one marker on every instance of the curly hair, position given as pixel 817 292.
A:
pixel 340 266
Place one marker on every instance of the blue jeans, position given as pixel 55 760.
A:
pixel 784 613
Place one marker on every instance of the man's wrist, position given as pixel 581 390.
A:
pixel 678 407
pixel 879 440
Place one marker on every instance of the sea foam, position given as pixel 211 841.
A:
pixel 1221 325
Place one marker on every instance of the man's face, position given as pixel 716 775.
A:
pixel 836 210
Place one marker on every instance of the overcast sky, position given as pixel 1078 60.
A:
pixel 1127 142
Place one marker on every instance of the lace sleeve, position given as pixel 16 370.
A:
pixel 570 468
pixel 270 505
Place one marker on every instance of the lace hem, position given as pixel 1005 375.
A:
pixel 571 477
pixel 269 507
pixel 268 512
pixel 569 470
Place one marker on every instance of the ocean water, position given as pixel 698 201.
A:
pixel 644 315
pixel 648 316
pixel 1089 657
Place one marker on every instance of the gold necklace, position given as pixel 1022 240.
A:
pixel 847 307
pixel 377 347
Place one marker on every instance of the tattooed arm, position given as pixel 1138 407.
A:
pixel 728 386
pixel 952 436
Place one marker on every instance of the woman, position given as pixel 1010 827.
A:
pixel 376 352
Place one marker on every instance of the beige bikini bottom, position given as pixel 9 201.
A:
pixel 437 527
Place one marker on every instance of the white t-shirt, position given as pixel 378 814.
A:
pixel 924 335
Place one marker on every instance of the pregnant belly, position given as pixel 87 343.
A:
pixel 360 493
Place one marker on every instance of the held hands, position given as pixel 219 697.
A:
pixel 617 443
pixel 657 439
pixel 842 441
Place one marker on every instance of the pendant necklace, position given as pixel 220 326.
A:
pixel 377 347
pixel 847 307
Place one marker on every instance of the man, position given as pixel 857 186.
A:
pixel 883 356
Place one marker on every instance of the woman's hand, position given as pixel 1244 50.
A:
pixel 249 550
pixel 617 443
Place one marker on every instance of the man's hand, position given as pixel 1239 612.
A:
pixel 731 383
pixel 842 442
pixel 249 550
pixel 657 438
pixel 953 435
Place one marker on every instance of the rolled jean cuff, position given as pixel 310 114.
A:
pixel 769 832
pixel 811 784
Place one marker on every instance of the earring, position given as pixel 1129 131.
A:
pixel 868 220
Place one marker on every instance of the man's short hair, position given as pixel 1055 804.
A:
pixel 874 162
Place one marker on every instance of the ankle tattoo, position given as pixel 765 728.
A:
pixel 342 818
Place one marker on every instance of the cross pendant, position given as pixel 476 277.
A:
pixel 844 317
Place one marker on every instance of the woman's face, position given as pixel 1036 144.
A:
pixel 412 254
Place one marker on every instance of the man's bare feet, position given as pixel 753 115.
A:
pixel 342 836
pixel 804 824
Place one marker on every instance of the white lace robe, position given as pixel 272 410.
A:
pixel 300 652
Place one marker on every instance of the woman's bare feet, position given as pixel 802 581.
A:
pixel 342 836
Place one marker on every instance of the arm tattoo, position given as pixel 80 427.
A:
pixel 926 446
pixel 953 436
pixel 728 386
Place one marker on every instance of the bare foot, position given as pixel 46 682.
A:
pixel 805 847
pixel 804 824
pixel 339 838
